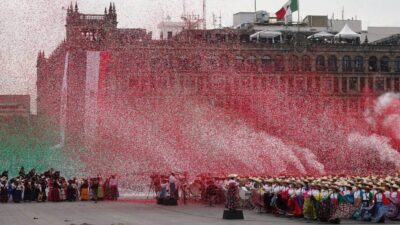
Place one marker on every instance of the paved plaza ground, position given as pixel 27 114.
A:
pixel 129 213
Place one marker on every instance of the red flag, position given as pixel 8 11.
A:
pixel 281 13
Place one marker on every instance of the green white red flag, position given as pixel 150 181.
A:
pixel 290 7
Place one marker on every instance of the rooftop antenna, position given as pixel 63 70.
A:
pixel 343 13
pixel 204 14
pixel 255 11
pixel 217 19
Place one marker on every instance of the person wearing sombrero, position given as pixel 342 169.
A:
pixel 311 196
pixel 232 196
pixel 380 208
pixel 394 207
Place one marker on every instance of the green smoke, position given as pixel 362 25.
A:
pixel 31 144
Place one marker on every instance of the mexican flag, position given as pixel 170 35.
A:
pixel 290 7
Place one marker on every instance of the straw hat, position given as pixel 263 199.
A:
pixel 232 175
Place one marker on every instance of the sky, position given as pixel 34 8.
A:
pixel 28 26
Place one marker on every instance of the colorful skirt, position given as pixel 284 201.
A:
pixel 85 194
pixel 308 210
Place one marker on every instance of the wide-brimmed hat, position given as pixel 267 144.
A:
pixel 232 176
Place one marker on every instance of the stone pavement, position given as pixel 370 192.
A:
pixel 128 213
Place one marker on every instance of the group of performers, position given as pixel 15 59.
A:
pixel 51 186
pixel 329 198
pixel 325 199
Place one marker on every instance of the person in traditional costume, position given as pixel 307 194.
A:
pixel 43 190
pixel 3 190
pixel 28 191
pixel 55 192
pixel 298 200
pixel 95 189
pixel 325 207
pixel 268 194
pixel 363 213
pixel 63 189
pixel 172 186
pixel 71 191
pixel 114 194
pixel 84 190
pixel 357 196
pixel 36 189
pixel 315 200
pixel 211 192
pixel 164 191
pixel 308 208
pixel 18 189
pixel 381 203
pixel 394 207
pixel 100 190
pixel 282 196
pixel 232 197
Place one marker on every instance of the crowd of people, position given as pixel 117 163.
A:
pixel 52 187
pixel 325 199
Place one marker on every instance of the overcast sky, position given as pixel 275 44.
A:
pixel 27 26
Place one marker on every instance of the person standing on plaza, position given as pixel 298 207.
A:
pixel 113 182
pixel 95 188
pixel 172 186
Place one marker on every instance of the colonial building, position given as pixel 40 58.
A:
pixel 125 64
pixel 14 107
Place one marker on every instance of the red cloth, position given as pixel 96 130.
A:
pixel 281 13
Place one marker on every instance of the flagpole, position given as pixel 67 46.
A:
pixel 255 11
pixel 298 16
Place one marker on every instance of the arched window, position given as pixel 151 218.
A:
pixel 266 63
pixel 320 63
pixel 252 63
pixel 294 63
pixel 279 63
pixel 306 63
pixel 359 64
pixel 397 64
pixel 385 64
pixel 332 63
pixel 373 64
pixel 347 67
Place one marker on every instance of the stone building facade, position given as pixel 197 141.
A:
pixel 223 62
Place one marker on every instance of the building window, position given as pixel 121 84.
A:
pixel 320 63
pixel 266 63
pixel 252 63
pixel 294 63
pixel 396 84
pixel 385 64
pixel 306 63
pixel 397 64
pixel 279 63
pixel 379 84
pixel 359 64
pixel 347 67
pixel 332 63
pixel 373 64
pixel 353 84
pixel 344 84
pixel 169 35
